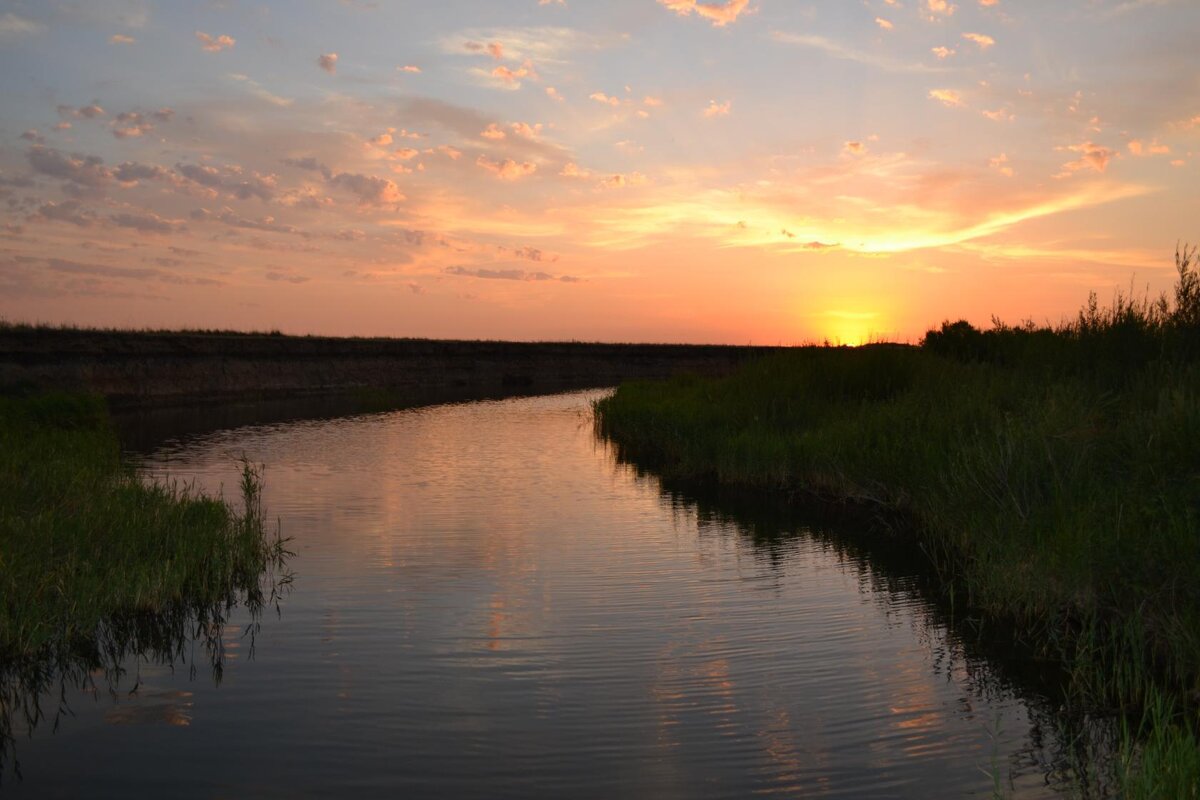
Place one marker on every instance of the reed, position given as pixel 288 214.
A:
pixel 83 538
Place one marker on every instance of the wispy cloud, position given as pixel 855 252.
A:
pixel 845 52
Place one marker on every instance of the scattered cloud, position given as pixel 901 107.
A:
pixel 983 40
pixel 1001 165
pixel 1091 157
pixel 91 111
pixel 120 38
pixel 716 109
pixel 718 13
pixel 328 62
pixel 507 169
pixel 947 97
pixel 214 44
pixel 369 189
pixel 1139 147
pixel 134 124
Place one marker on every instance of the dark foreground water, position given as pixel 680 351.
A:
pixel 487 604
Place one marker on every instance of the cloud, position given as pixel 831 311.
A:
pixel 983 40
pixel 545 45
pixel 132 172
pixel 601 97
pixel 369 189
pixel 1000 164
pixel 720 14
pixel 127 273
pixel 231 180
pixel 507 169
pixel 147 223
pixel 71 211
pixel 134 124
pixel 531 254
pixel 947 97
pixel 620 180
pixel 214 44
pixel 573 170
pixel 307 163
pixel 120 38
pixel 716 109
pixel 493 132
pixel 840 51
pixel 942 53
pixel 83 170
pixel 88 112
pixel 258 91
pixel 885 24
pixel 328 62
pixel 855 148
pixel 286 277
pixel 513 77
pixel 507 274
pixel 527 131
pixel 1139 148
pixel 940 8
pixel 228 216
pixel 13 26
pixel 409 68
pixel 1091 156
pixel 554 95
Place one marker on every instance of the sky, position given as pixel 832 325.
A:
pixel 748 171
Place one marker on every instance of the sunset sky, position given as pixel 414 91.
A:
pixel 767 171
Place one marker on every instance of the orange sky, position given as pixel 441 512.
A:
pixel 762 171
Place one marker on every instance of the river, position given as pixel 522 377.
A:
pixel 488 604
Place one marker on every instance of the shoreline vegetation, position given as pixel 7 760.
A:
pixel 1050 474
pixel 98 566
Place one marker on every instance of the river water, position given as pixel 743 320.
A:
pixel 488 604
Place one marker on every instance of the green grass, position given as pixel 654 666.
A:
pixel 82 537
pixel 98 566
pixel 1052 475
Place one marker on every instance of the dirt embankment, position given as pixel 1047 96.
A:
pixel 145 368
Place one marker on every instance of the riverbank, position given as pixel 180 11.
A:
pixel 140 369
pixel 83 539
pixel 1050 474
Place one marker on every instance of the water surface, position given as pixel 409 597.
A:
pixel 487 604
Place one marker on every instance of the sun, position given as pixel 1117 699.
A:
pixel 851 328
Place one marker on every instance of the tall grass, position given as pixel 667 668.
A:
pixel 97 565
pixel 1051 474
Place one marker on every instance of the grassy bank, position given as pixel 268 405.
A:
pixel 82 538
pixel 97 567
pixel 1052 474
